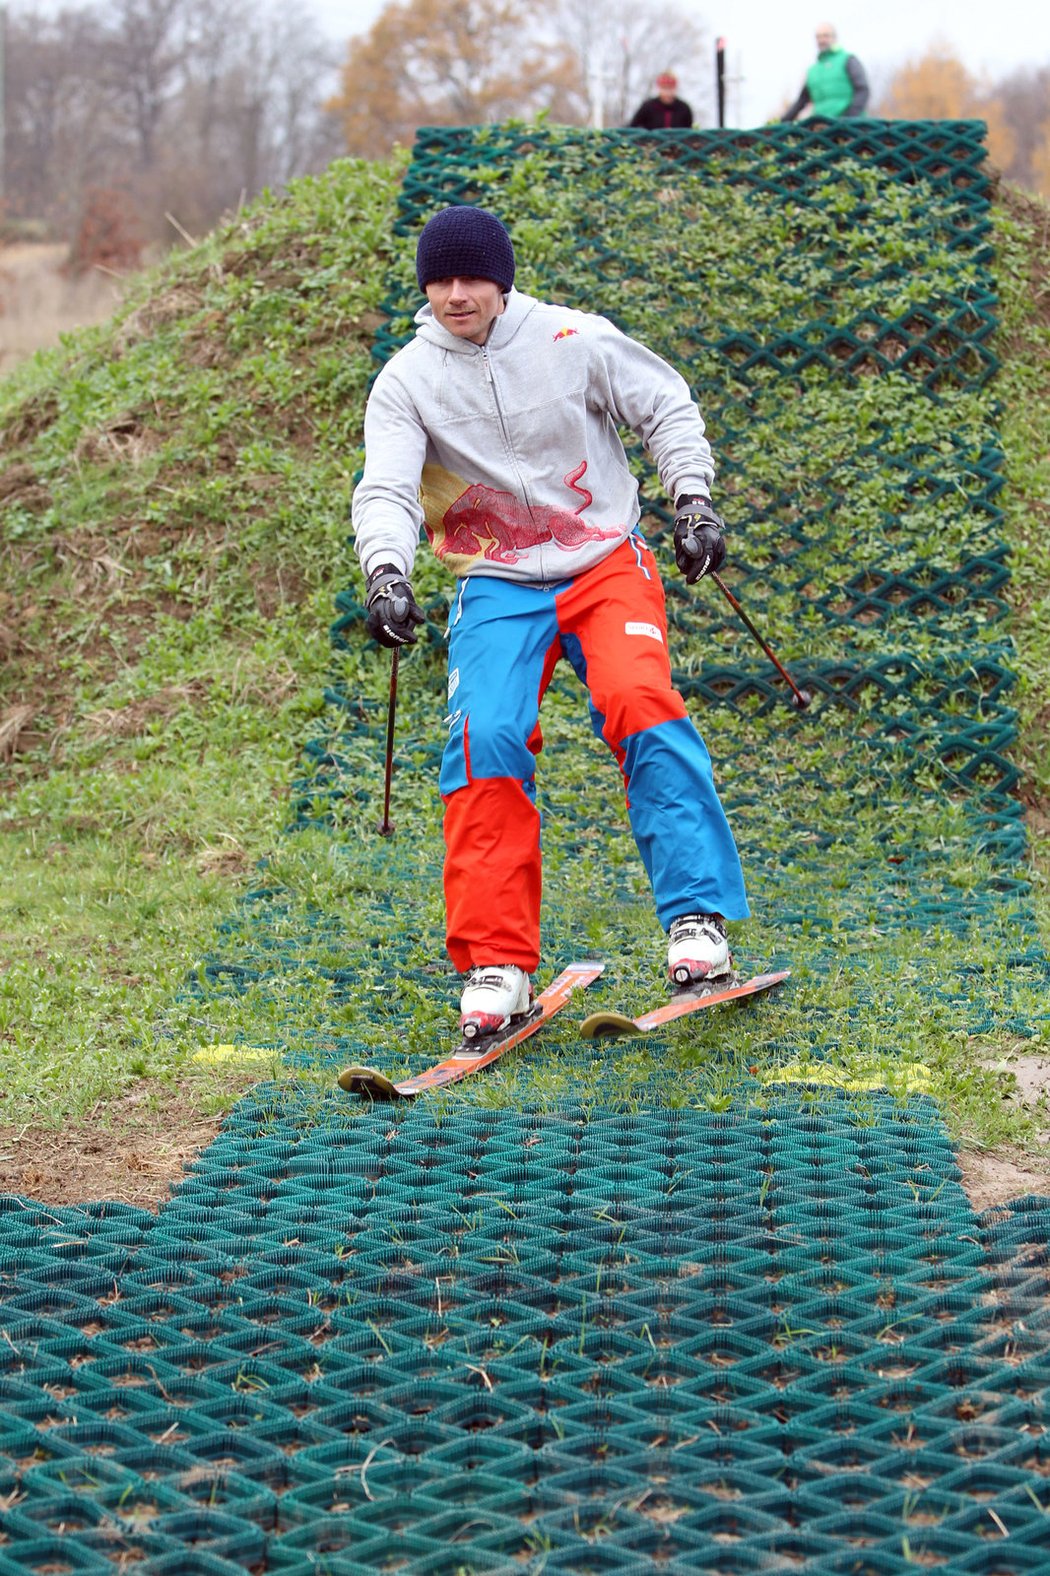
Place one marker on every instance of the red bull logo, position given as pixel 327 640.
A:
pixel 486 523
pixel 564 333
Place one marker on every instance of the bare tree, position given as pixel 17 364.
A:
pixel 58 132
pixel 1025 100
pixel 250 106
pixel 182 106
pixel 143 50
pixel 276 82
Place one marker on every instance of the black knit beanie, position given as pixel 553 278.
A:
pixel 465 243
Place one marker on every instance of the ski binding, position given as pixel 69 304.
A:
pixel 471 1055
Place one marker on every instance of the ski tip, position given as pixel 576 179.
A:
pixel 368 1081
pixel 604 1025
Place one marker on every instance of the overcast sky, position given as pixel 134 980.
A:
pixel 769 43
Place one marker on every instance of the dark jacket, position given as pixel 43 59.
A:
pixel 655 115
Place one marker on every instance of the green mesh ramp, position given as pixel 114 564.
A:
pixel 688 1328
pixel 941 342
pixel 754 1341
pixel 865 539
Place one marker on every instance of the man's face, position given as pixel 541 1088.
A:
pixel 466 307
pixel 667 94
pixel 825 39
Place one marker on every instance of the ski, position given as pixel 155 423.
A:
pixel 611 1023
pixel 472 1055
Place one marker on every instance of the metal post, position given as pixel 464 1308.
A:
pixel 720 77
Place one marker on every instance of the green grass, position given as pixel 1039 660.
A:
pixel 170 563
pixel 171 548
pixel 96 942
pixel 1024 390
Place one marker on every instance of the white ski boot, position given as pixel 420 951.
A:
pixel 493 995
pixel 697 950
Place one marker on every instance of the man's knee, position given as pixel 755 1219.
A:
pixel 629 710
pixel 498 747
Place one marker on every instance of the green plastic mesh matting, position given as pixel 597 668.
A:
pixel 682 1341
pixel 859 468
pixel 624 1331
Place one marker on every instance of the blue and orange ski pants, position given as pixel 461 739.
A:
pixel 505 639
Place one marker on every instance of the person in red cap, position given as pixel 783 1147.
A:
pixel 666 111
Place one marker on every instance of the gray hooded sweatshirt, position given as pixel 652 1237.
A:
pixel 507 453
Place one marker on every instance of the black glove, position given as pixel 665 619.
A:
pixel 393 611
pixel 699 538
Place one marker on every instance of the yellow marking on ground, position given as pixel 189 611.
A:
pixel 912 1077
pixel 235 1053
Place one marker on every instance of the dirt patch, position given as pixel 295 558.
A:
pixel 132 1155
pixel 993 1180
pixel 123 440
pixel 1034 214
pixel 1027 1080
pixel 166 306
pixel 19 485
pixel 128 721
pixel 29 420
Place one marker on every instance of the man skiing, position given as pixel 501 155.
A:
pixel 495 429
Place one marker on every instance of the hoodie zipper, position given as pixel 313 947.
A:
pixel 503 427
pixel 487 364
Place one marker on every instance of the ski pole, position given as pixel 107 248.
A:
pixel 385 827
pixel 800 698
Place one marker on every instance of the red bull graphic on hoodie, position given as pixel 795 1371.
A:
pixel 486 523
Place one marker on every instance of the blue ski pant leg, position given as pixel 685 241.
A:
pixel 613 625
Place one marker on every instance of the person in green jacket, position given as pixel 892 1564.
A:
pixel 835 84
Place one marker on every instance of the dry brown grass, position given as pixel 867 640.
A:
pixel 38 302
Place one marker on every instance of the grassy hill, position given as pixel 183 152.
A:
pixel 174 491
